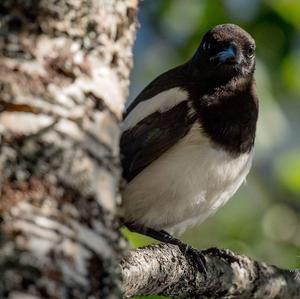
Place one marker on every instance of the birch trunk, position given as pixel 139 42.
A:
pixel 64 68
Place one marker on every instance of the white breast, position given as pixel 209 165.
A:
pixel 185 185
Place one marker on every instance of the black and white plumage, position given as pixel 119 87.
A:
pixel 187 141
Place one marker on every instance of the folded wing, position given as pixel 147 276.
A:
pixel 152 136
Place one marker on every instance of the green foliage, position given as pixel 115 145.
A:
pixel 289 10
pixel 287 169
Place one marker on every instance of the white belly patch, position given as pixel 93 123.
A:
pixel 185 185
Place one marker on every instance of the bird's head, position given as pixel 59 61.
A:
pixel 226 50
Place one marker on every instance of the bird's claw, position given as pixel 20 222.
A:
pixel 195 257
pixel 225 254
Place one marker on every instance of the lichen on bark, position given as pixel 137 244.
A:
pixel 64 71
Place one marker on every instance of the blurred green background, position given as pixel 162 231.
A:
pixel 263 219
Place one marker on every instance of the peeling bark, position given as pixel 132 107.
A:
pixel 163 270
pixel 64 71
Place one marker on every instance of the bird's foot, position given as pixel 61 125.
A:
pixel 193 255
pixel 225 254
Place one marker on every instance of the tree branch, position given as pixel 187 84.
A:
pixel 163 270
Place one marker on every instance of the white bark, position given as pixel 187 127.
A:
pixel 64 71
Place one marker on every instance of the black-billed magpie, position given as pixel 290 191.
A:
pixel 187 141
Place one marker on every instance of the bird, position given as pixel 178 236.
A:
pixel 187 139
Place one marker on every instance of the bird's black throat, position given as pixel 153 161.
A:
pixel 227 111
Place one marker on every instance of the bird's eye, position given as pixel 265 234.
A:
pixel 206 46
pixel 250 51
